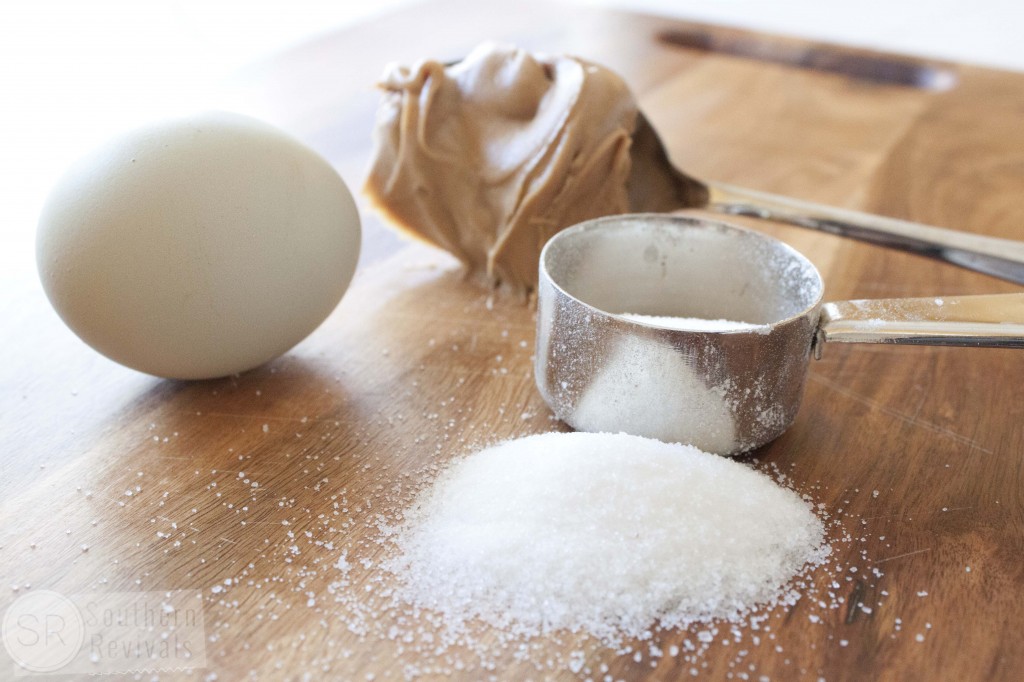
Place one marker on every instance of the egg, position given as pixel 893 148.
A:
pixel 197 247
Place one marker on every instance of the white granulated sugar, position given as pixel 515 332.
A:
pixel 609 534
pixel 690 324
pixel 619 398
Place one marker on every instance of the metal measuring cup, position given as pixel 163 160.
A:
pixel 726 391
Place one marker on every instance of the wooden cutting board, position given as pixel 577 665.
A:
pixel 114 481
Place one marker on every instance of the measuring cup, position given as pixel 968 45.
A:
pixel 731 389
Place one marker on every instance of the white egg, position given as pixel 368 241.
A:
pixel 198 247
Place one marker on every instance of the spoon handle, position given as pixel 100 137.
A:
pixel 993 321
pixel 1002 258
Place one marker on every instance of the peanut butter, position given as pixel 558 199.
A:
pixel 489 157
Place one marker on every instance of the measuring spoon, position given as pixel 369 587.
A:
pixel 729 390
pixel 655 185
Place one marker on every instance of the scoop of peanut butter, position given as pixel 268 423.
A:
pixel 489 157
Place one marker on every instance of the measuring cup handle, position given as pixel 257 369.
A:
pixel 1002 258
pixel 994 321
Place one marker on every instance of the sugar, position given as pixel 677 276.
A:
pixel 605 533
pixel 690 324
pixel 689 410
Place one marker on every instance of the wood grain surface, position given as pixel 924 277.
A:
pixel 257 483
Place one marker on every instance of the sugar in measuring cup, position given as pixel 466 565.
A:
pixel 619 347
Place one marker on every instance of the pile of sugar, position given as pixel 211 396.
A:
pixel 654 390
pixel 690 324
pixel 608 534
